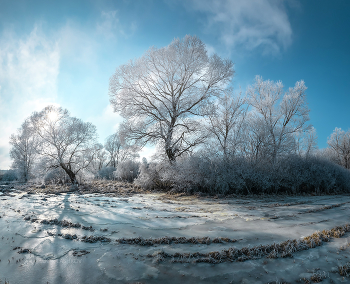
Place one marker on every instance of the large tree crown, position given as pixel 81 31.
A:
pixel 172 81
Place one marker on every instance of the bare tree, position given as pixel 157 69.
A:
pixel 225 123
pixel 99 159
pixel 24 151
pixel 162 94
pixel 281 114
pixel 119 150
pixel 306 142
pixel 256 145
pixel 339 142
pixel 65 141
pixel 113 146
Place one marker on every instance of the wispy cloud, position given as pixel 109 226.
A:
pixel 110 27
pixel 250 24
pixel 76 44
pixel 29 69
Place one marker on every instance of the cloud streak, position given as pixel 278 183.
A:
pixel 110 27
pixel 248 24
pixel 29 69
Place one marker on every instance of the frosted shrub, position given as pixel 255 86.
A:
pixel 56 176
pixel 155 176
pixel 311 174
pixel 127 170
pixel 9 175
pixel 106 173
pixel 201 174
pixel 292 174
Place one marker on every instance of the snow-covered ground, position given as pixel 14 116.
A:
pixel 155 238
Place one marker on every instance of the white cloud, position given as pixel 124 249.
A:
pixel 77 45
pixel 249 24
pixel 110 27
pixel 28 78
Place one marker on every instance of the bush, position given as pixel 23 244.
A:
pixel 106 173
pixel 127 170
pixel 9 175
pixel 56 176
pixel 292 174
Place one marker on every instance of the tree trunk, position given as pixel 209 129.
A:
pixel 70 173
pixel 171 155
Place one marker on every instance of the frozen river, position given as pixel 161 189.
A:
pixel 155 238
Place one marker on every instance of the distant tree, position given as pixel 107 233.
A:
pixel 306 142
pixel 280 114
pixel 162 94
pixel 24 147
pixel 113 147
pixel 99 159
pixel 9 175
pixel 65 142
pixel 118 150
pixel 256 145
pixel 339 143
pixel 226 122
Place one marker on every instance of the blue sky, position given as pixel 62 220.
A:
pixel 64 52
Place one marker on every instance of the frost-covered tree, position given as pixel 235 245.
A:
pixel 339 143
pixel 162 94
pixel 127 170
pixel 118 150
pixel 24 147
pixel 306 142
pixel 99 159
pixel 65 142
pixel 226 123
pixel 256 146
pixel 280 114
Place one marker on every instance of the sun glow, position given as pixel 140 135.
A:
pixel 52 116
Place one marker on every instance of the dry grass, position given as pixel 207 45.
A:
pixel 62 223
pixel 283 249
pixel 173 240
pixel 323 208
pixel 116 188
pixel 344 270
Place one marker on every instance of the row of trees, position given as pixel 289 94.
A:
pixel 52 141
pixel 181 100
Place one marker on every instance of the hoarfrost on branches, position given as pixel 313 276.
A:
pixel 162 94
pixel 24 151
pixel 280 115
pixel 226 124
pixel 339 143
pixel 65 142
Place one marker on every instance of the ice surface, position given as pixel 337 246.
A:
pixel 251 222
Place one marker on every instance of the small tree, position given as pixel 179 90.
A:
pixel 24 151
pixel 65 141
pixel 280 114
pixel 339 143
pixel 162 93
pixel 119 150
pixel 225 124
pixel 99 159
pixel 306 142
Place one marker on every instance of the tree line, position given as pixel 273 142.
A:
pixel 181 100
pixel 54 145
